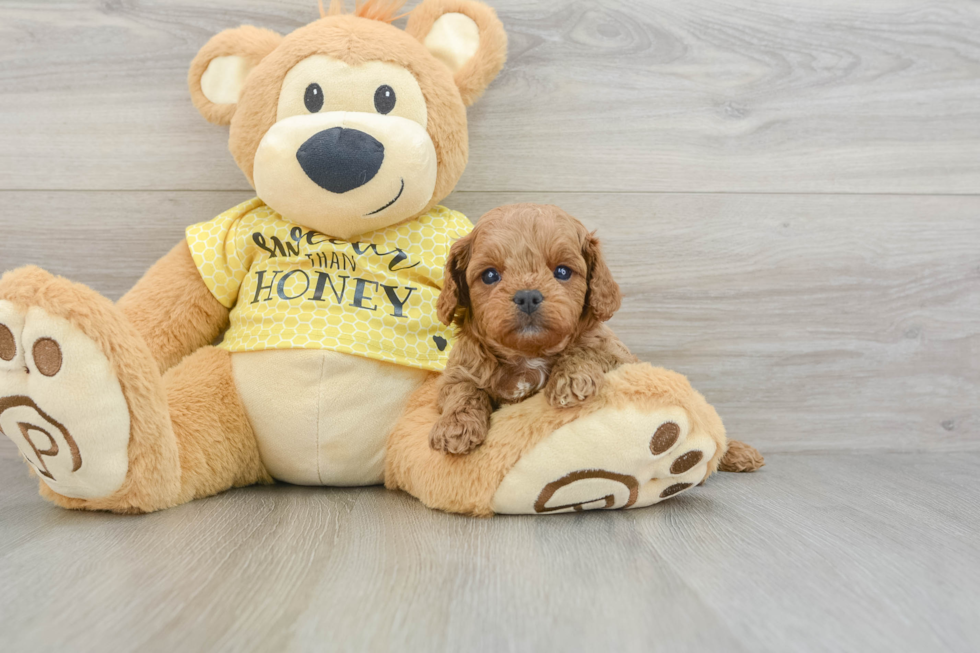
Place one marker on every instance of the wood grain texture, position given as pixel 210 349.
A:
pixel 811 322
pixel 787 191
pixel 772 96
pixel 814 553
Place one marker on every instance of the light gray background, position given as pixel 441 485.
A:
pixel 787 192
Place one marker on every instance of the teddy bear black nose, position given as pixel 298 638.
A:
pixel 340 160
pixel 528 300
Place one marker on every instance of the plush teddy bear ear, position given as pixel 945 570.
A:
pixel 218 72
pixel 465 35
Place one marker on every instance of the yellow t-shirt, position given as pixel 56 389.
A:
pixel 291 288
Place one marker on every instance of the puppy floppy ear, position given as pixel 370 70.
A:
pixel 603 298
pixel 465 35
pixel 455 292
pixel 218 72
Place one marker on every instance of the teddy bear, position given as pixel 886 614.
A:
pixel 322 291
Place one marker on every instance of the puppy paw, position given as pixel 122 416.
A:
pixel 571 388
pixel 458 432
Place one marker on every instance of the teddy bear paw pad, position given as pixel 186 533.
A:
pixel 61 404
pixel 612 458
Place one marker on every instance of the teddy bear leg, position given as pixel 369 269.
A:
pixel 646 437
pixel 463 484
pixel 215 441
pixel 82 398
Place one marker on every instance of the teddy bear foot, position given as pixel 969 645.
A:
pixel 69 368
pixel 645 437
pixel 612 458
pixel 61 404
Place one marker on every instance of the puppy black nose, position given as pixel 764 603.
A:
pixel 340 160
pixel 528 300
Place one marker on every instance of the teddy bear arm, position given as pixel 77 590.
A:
pixel 173 309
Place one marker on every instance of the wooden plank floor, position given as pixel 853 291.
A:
pixel 789 194
pixel 828 552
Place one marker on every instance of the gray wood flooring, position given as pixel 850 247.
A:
pixel 789 195
pixel 821 552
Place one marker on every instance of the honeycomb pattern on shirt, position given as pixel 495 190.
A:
pixel 289 288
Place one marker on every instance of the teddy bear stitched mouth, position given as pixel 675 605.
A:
pixel 341 159
pixel 400 191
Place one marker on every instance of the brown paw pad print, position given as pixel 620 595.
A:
pixel 664 438
pixel 686 462
pixel 47 356
pixel 674 489
pixel 8 346
pixel 630 482
pixel 39 430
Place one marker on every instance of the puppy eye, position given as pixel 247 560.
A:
pixel 490 276
pixel 384 99
pixel 562 273
pixel 313 98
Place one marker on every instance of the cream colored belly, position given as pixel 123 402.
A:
pixel 322 417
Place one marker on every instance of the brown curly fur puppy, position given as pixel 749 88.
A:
pixel 529 290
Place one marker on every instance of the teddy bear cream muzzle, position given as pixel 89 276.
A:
pixel 346 173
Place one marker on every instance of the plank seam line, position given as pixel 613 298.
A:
pixel 513 192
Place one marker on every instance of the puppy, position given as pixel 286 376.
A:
pixel 529 291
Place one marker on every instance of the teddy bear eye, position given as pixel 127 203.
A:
pixel 562 273
pixel 313 98
pixel 490 276
pixel 384 99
